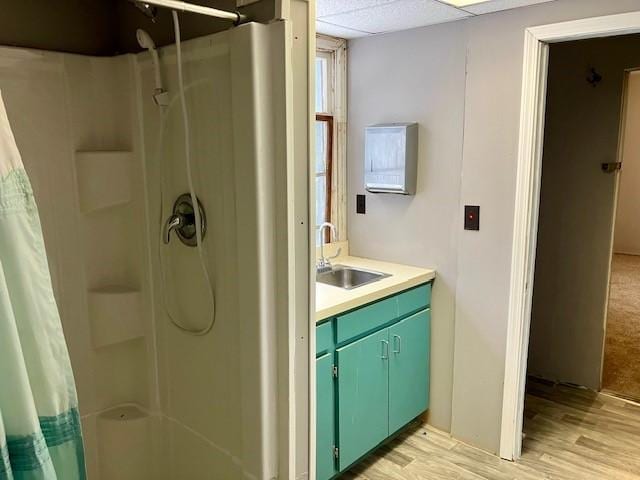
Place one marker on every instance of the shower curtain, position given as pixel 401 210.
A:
pixel 40 436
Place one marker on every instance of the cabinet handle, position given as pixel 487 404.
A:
pixel 385 350
pixel 399 344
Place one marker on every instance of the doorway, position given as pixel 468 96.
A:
pixel 621 362
pixel 580 172
pixel 528 187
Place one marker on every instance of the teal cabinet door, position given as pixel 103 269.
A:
pixel 409 369
pixel 325 418
pixel 363 396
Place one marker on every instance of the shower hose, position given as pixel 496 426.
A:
pixel 194 200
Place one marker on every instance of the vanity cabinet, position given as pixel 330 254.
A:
pixel 363 396
pixel 372 376
pixel 325 409
pixel 409 369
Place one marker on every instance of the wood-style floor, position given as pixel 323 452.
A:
pixel 571 434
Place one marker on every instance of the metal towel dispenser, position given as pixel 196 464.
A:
pixel 391 158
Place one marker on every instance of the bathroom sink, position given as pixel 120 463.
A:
pixel 348 277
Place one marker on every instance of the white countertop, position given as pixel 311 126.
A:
pixel 333 300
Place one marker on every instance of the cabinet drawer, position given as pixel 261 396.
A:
pixel 324 337
pixel 365 319
pixel 414 300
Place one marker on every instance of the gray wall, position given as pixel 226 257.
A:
pixel 467 156
pixel 105 27
pixel 427 87
pixel 577 206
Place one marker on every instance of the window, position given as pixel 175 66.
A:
pixel 324 139
pixel 324 169
pixel 330 131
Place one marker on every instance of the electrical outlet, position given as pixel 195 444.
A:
pixel 361 204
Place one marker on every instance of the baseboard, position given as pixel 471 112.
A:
pixel 631 254
pixel 621 396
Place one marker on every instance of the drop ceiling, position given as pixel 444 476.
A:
pixel 360 18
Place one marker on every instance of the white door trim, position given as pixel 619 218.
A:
pixel 527 200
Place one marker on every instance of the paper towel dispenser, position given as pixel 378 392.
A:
pixel 391 158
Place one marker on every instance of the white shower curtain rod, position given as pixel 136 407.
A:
pixel 237 17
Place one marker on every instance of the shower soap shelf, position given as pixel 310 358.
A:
pixel 115 315
pixel 104 179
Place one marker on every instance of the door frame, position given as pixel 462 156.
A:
pixel 620 155
pixel 527 203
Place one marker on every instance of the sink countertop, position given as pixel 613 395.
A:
pixel 333 300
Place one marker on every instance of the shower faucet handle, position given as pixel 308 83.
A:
pixel 174 222
pixel 183 222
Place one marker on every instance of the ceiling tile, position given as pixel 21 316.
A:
pixel 337 31
pixel 497 5
pixel 397 15
pixel 333 7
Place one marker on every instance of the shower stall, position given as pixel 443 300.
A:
pixel 177 346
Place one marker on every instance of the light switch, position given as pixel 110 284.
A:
pixel 471 217
pixel 361 204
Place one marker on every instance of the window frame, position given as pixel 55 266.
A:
pixel 329 56
pixel 335 51
pixel 323 117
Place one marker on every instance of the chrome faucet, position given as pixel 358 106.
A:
pixel 174 222
pixel 183 222
pixel 324 264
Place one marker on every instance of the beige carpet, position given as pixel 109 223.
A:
pixel 622 346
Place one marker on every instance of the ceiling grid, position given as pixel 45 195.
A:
pixel 361 18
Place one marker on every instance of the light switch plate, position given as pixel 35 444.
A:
pixel 471 217
pixel 361 204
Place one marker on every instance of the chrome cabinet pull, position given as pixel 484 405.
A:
pixel 399 344
pixel 385 350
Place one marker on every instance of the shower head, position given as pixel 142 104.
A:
pixel 144 40
pixel 149 10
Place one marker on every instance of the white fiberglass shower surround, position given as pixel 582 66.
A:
pixel 107 164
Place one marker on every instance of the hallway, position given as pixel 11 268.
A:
pixel 621 370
